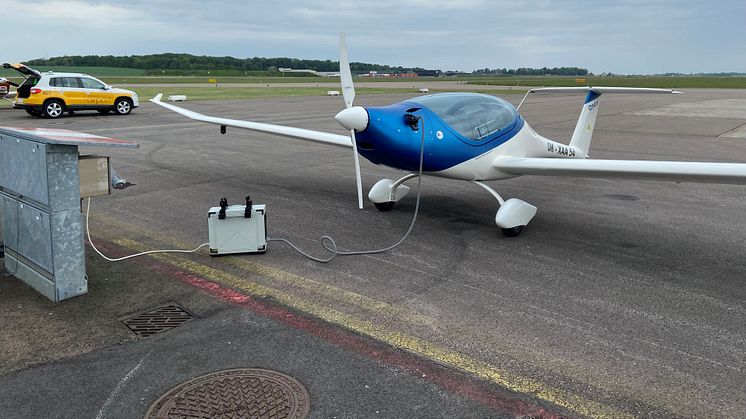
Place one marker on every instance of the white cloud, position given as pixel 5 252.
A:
pixel 640 36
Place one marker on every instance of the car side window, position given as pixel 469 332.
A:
pixel 63 82
pixel 70 82
pixel 91 84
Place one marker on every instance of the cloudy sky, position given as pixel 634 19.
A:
pixel 633 37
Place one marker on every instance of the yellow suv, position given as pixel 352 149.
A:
pixel 52 94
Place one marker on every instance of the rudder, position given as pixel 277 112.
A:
pixel 581 137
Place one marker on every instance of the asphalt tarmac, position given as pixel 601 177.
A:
pixel 620 299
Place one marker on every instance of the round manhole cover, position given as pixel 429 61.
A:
pixel 239 393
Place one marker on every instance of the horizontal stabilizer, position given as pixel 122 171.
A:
pixel 601 90
pixel 697 172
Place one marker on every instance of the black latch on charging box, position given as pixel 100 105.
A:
pixel 247 211
pixel 223 206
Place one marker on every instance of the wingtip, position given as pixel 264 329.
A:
pixel 157 98
pixel 677 92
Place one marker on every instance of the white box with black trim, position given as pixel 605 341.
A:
pixel 236 230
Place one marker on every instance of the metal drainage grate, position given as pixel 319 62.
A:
pixel 239 393
pixel 158 320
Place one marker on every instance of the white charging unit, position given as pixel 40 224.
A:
pixel 237 231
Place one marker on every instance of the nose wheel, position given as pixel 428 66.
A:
pixel 384 206
pixel 386 192
pixel 512 231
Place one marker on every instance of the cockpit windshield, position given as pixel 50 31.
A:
pixel 473 115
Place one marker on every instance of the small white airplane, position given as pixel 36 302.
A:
pixel 475 138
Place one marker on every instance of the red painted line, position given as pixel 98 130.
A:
pixel 502 401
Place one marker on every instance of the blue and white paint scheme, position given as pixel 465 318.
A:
pixel 476 137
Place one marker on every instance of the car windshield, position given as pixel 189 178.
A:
pixel 473 115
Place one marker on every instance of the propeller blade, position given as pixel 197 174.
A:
pixel 345 76
pixel 358 177
pixel 348 92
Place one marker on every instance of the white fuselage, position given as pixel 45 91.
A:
pixel 526 143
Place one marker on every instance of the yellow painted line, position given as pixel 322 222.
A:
pixel 445 356
pixel 328 291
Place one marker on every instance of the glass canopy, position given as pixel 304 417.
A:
pixel 473 115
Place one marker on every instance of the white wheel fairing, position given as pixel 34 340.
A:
pixel 385 191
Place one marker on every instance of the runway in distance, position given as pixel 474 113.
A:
pixel 476 138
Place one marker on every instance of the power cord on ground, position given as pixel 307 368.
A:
pixel 88 234
pixel 328 243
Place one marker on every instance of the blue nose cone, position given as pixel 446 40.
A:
pixel 390 139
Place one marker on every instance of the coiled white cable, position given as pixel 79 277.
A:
pixel 328 243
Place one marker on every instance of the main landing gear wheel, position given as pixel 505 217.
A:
pixel 53 109
pixel 512 212
pixel 384 206
pixel 513 231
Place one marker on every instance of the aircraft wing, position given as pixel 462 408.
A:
pixel 697 172
pixel 303 134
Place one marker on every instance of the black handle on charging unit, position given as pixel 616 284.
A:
pixel 223 206
pixel 247 211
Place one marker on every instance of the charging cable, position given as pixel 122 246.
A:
pixel 330 245
pixel 88 234
pixel 327 242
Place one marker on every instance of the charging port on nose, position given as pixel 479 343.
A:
pixel 412 120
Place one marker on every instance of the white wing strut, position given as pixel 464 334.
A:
pixel 300 133
pixel 697 172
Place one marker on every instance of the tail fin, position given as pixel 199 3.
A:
pixel 581 137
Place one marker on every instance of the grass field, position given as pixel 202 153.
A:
pixel 207 91
pixel 263 80
pixel 119 76
pixel 218 93
pixel 663 82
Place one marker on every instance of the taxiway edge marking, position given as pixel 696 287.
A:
pixel 559 397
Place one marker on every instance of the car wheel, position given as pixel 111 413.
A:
pixel 33 112
pixel 53 109
pixel 122 106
